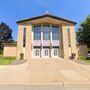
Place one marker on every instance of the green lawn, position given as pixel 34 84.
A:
pixel 6 60
pixel 86 61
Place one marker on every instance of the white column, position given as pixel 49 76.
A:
pixel 28 42
pixel 32 40
pixel 42 40
pixel 51 38
pixel 60 39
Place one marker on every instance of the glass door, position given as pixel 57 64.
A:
pixel 55 52
pixel 36 52
pixel 46 52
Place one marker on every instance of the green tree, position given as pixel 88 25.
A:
pixel 83 33
pixel 5 34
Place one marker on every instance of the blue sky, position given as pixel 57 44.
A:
pixel 13 10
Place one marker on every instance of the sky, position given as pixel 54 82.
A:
pixel 14 10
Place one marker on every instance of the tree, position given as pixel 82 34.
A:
pixel 5 34
pixel 83 33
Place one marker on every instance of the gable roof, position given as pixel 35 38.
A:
pixel 47 15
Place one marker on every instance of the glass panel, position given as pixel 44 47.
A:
pixel 56 51
pixel 46 52
pixel 37 32
pixel 55 33
pixel 24 37
pixel 37 52
pixel 69 38
pixel 46 32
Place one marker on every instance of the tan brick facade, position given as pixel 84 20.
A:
pixel 28 50
pixel 65 50
pixel 82 50
pixel 20 41
pixel 65 42
pixel 73 41
pixel 9 50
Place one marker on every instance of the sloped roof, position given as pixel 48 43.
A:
pixel 47 15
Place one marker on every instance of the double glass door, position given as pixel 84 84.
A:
pixel 55 52
pixel 37 52
pixel 46 52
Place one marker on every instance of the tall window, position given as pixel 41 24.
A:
pixel 46 32
pixel 69 38
pixel 37 32
pixel 55 33
pixel 24 37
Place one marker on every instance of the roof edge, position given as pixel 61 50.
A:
pixel 47 15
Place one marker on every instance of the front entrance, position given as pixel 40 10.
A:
pixel 46 52
pixel 37 52
pixel 55 52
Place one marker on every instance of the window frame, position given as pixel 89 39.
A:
pixel 24 37
pixel 46 33
pixel 55 34
pixel 69 36
pixel 37 33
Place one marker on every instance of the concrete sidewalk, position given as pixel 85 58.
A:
pixel 42 87
pixel 46 72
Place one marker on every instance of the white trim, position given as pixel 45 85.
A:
pixel 32 41
pixel 32 34
pixel 41 40
pixel 51 33
pixel 51 39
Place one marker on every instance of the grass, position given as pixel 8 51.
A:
pixel 86 61
pixel 6 60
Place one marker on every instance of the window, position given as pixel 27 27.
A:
pixel 69 38
pixel 46 32
pixel 24 37
pixel 55 33
pixel 37 32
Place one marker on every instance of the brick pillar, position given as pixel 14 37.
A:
pixel 20 41
pixel 61 42
pixel 65 42
pixel 73 41
pixel 29 41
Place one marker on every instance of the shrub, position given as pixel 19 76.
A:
pixel 1 51
pixel 84 57
pixel 88 58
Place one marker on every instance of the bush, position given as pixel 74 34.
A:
pixel 84 57
pixel 1 51
pixel 88 58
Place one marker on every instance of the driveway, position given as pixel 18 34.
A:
pixel 43 72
